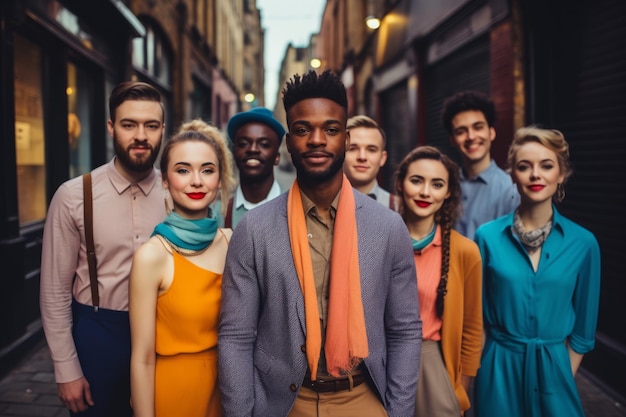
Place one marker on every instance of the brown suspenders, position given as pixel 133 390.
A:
pixel 228 220
pixel 392 202
pixel 91 250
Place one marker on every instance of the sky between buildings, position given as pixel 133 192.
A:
pixel 285 22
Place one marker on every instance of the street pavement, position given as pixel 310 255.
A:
pixel 29 390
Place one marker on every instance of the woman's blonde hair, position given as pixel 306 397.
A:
pixel 551 139
pixel 213 137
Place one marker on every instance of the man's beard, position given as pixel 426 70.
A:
pixel 321 176
pixel 136 164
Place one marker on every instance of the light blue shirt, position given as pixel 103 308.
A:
pixel 486 197
pixel 380 194
pixel 241 206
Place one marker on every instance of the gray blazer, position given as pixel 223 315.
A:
pixel 262 326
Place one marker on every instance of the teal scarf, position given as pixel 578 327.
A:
pixel 187 234
pixel 418 245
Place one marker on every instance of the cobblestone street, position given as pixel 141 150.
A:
pixel 29 390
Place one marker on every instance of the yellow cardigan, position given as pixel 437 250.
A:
pixel 462 321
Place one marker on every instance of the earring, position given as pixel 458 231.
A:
pixel 560 192
pixel 168 202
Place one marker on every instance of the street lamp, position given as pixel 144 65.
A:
pixel 372 22
pixel 249 97
pixel 315 63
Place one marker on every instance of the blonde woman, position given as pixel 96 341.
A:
pixel 175 284
pixel 541 290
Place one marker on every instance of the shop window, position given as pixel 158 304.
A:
pixel 29 132
pixel 152 58
pixel 79 96
pixel 152 55
pixel 200 100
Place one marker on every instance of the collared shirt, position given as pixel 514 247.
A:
pixel 486 197
pixel 379 195
pixel 241 202
pixel 124 216
pixel 557 301
pixel 428 268
pixel 241 206
pixel 320 236
pixel 529 315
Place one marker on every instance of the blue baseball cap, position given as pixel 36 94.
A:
pixel 257 114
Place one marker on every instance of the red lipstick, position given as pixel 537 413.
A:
pixel 196 196
pixel 422 204
pixel 536 187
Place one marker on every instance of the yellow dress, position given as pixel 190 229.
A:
pixel 186 343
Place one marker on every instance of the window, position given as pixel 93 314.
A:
pixel 29 132
pixel 79 95
pixel 200 100
pixel 152 60
pixel 152 55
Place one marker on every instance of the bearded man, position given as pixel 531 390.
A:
pixel 86 323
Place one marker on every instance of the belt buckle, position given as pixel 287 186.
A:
pixel 320 384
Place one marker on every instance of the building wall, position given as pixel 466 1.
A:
pixel 229 40
pixel 207 39
pixel 71 48
pixel 253 58
pixel 58 59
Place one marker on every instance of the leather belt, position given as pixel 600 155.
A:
pixel 333 385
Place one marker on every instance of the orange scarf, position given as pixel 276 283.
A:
pixel 346 336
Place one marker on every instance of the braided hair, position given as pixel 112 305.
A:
pixel 445 217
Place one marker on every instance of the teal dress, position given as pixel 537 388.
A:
pixel 529 316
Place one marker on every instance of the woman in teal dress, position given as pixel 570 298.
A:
pixel 541 286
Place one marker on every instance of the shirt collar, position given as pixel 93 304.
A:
pixel 485 176
pixel 240 200
pixel 309 206
pixel 437 241
pixel 121 184
pixel 375 189
pixel 557 221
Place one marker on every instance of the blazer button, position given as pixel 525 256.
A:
pixel 303 348
pixel 293 387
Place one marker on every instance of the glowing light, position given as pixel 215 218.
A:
pixel 69 91
pixel 249 97
pixel 372 22
pixel 316 63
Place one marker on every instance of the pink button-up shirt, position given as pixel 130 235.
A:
pixel 124 216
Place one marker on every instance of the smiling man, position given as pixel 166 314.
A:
pixel 487 191
pixel 366 155
pixel 320 315
pixel 256 136
pixel 86 324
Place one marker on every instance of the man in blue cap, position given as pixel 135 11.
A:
pixel 256 136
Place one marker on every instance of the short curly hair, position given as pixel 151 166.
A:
pixel 311 85
pixel 465 101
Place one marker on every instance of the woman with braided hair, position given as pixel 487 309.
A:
pixel 449 281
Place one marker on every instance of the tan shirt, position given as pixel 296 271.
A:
pixel 320 236
pixel 125 215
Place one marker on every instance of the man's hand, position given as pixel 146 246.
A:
pixel 75 395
